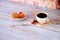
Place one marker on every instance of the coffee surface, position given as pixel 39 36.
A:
pixel 41 15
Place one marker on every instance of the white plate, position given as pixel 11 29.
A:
pixel 20 18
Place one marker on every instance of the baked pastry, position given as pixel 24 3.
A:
pixel 18 15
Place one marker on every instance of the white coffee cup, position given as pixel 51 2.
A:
pixel 41 17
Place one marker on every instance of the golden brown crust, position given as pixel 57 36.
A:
pixel 18 15
pixel 15 15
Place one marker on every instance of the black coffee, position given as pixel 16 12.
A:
pixel 41 15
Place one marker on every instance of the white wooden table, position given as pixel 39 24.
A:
pixel 27 32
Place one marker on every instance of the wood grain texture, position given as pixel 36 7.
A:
pixel 14 30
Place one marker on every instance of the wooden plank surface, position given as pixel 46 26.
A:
pixel 14 30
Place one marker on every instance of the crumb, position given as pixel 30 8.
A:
pixel 24 24
pixel 34 22
pixel 12 26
